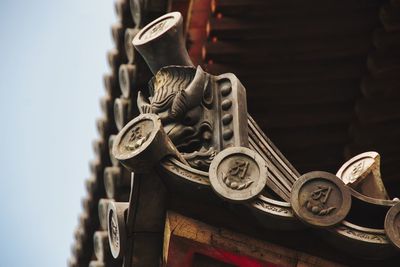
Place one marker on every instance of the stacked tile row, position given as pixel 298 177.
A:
pixel 109 181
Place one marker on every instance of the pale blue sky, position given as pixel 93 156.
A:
pixel 52 57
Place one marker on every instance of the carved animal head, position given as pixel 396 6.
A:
pixel 176 94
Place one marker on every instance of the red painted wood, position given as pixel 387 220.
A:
pixel 181 254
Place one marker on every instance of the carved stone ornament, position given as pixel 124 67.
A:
pixel 116 227
pixel 362 173
pixel 238 174
pixel 202 114
pixel 320 199
pixel 392 225
pixel 142 143
pixel 356 168
pixel 161 43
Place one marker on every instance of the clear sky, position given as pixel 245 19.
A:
pixel 52 58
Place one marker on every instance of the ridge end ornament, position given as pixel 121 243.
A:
pixel 201 113
pixel 238 174
pixel 161 42
pixel 142 143
pixel 320 199
pixel 362 173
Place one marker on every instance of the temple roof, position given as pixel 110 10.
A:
pixel 322 80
